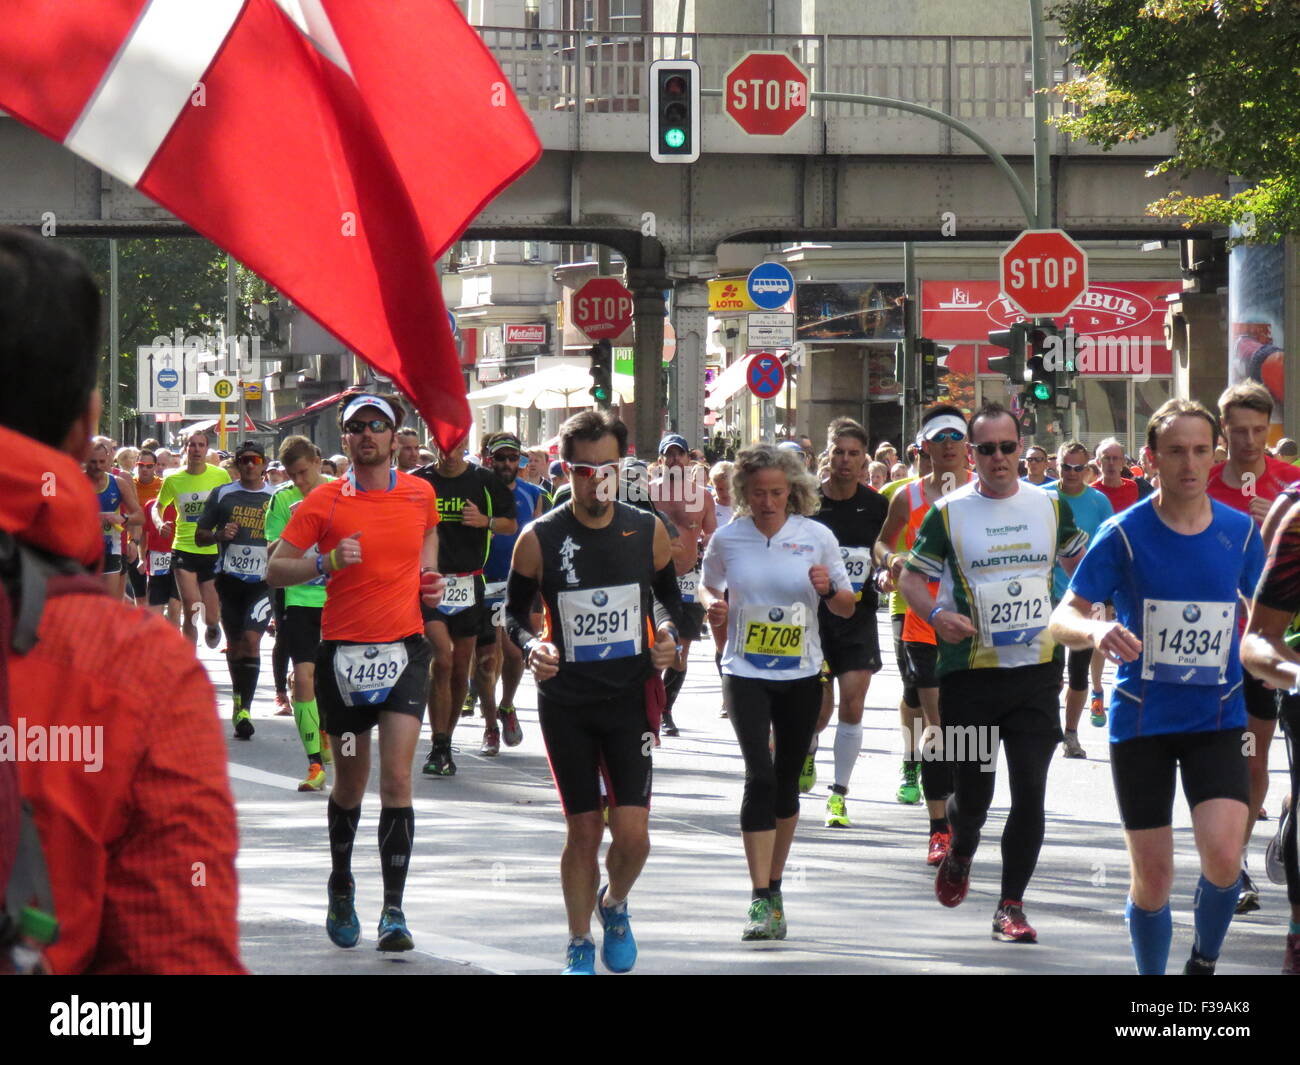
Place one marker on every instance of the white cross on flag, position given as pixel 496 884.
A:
pixel 336 147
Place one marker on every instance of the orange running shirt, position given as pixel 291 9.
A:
pixel 378 599
pixel 915 628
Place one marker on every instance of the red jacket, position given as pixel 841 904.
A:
pixel 141 848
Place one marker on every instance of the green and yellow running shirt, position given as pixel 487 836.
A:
pixel 286 497
pixel 993 559
pixel 189 491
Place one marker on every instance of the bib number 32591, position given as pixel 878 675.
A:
pixel 1013 611
pixel 1187 643
pixel 367 673
pixel 601 624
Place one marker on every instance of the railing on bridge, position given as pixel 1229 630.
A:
pixel 967 77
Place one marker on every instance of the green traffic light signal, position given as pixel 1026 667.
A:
pixel 674 138
pixel 1042 391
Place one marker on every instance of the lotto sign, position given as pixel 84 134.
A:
pixel 766 93
pixel 765 376
pixel 1044 272
pixel 602 308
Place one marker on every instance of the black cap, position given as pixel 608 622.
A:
pixel 253 446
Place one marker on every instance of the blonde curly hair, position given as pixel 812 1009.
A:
pixel 804 495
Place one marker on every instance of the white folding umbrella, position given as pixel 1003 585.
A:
pixel 555 388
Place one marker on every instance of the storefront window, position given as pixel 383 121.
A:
pixel 1102 410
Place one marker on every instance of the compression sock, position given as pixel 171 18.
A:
pixel 763 893
pixel 774 886
pixel 307 717
pixel 1150 932
pixel 673 681
pixel 343 831
pixel 1212 909
pixel 252 669
pixel 396 834
pixel 235 667
pixel 848 745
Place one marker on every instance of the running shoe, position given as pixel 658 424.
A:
pixel 1198 966
pixel 326 751
pixel 808 775
pixel 283 708
pixel 1010 926
pixel 760 928
pixel 1097 711
pixel 778 915
pixel 909 788
pixel 1273 863
pixel 439 763
pixel 511 731
pixel 952 881
pixel 723 713
pixel 669 725
pixel 836 815
pixel 1291 960
pixel 1072 748
pixel 212 635
pixel 315 778
pixel 618 948
pixel 491 743
pixel 467 707
pixel 243 722
pixel 393 934
pixel 1248 901
pixel 581 960
pixel 341 921
pixel 940 845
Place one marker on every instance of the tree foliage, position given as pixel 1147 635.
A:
pixel 1223 76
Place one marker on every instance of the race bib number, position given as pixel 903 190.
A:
pixel 367 673
pixel 1013 611
pixel 1187 643
pixel 160 563
pixel 459 594
pixel 245 561
pixel 689 585
pixel 601 624
pixel 191 505
pixel 773 637
pixel 494 597
pixel 857 561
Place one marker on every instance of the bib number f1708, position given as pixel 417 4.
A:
pixel 774 637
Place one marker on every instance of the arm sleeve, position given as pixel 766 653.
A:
pixel 521 591
pixel 1100 570
pixel 932 546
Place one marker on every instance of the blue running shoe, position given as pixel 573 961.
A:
pixel 341 921
pixel 581 960
pixel 618 948
pixel 393 933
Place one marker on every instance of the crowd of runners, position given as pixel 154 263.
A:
pixel 397 581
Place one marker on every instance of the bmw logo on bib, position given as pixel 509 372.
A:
pixel 1191 613
pixel 775 614
pixel 372 652
pixel 599 598
pixel 1013 588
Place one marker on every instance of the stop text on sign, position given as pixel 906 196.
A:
pixel 757 94
pixel 1042 273
pixel 766 93
pixel 601 308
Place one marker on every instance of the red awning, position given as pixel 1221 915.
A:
pixel 309 410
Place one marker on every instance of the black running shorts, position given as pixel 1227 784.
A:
pixel 408 696
pixel 205 566
pixel 1078 663
pixel 1261 702
pixel 300 629
pixel 462 625
pixel 910 696
pixel 162 589
pixel 850 644
pixel 579 739
pixel 1214 766
pixel 245 605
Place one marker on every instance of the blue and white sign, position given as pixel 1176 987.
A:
pixel 455 329
pixel 770 286
pixel 158 383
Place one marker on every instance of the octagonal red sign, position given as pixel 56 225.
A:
pixel 1043 272
pixel 602 308
pixel 766 93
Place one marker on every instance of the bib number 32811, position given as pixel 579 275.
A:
pixel 1013 611
pixel 1186 643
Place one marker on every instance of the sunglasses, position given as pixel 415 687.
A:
pixel 586 471
pixel 256 460
pixel 1007 447
pixel 376 425
pixel 948 434
pixel 1073 468
pixel 504 456
pixel 1035 458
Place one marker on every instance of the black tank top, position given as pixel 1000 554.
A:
pixel 596 585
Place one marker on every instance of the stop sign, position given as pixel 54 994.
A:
pixel 1044 272
pixel 602 308
pixel 766 93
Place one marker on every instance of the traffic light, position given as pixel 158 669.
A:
pixel 602 373
pixel 1040 379
pixel 933 369
pixel 674 111
pixel 1051 364
pixel 1011 365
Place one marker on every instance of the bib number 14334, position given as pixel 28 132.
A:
pixel 1187 643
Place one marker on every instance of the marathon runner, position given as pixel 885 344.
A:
pixel 851 646
pixel 596 563
pixel 234 519
pixel 473 505
pixel 681 500
pixel 118 512
pixel 1089 508
pixel 299 625
pixel 193 567
pixel 777 566
pixel 408 450
pixel 943 436
pixel 1268 651
pixel 148 483
pixel 1250 480
pixel 1036 461
pixel 1176 566
pixel 498 656
pixel 375 539
pixel 161 595
pixel 992 545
